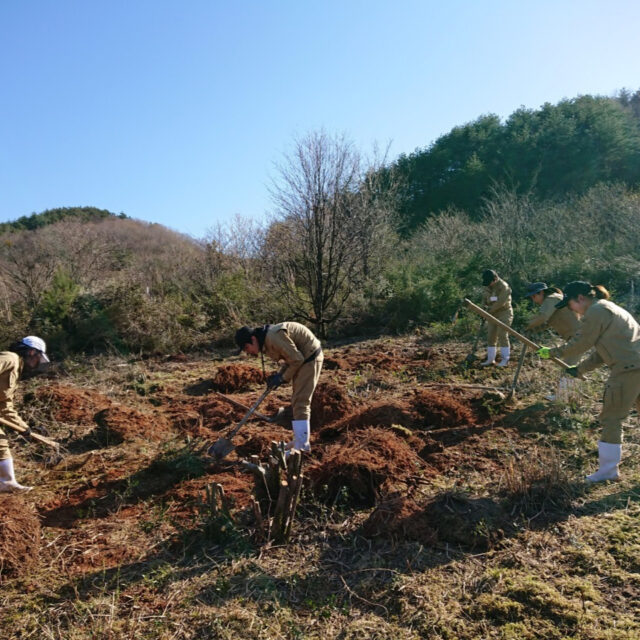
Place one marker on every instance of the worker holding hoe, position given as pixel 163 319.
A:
pixel 26 355
pixel 563 321
pixel 497 301
pixel 616 337
pixel 301 352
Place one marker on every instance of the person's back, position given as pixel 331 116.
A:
pixel 616 335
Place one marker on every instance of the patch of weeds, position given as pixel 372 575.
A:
pixel 324 608
pixel 545 599
pixel 497 608
pixel 536 483
pixel 214 523
pixel 159 576
pixel 429 374
pixel 157 516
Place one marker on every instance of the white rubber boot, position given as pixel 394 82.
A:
pixel 491 357
pixel 301 432
pixel 505 352
pixel 609 456
pixel 8 482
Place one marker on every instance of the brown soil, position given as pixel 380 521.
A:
pixel 382 414
pixel 441 410
pixel 256 440
pixel 236 377
pixel 123 423
pixel 425 410
pixel 399 516
pixel 362 449
pixel 19 537
pixel 72 405
pixel 362 463
pixel 330 402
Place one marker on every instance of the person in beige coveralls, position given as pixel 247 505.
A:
pixel 615 335
pixel 563 321
pixel 497 301
pixel 29 354
pixel 300 350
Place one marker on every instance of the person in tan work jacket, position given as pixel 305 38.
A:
pixel 29 353
pixel 497 301
pixel 563 321
pixel 615 335
pixel 300 350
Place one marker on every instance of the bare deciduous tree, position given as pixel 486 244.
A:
pixel 314 244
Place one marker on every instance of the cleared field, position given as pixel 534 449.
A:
pixel 428 511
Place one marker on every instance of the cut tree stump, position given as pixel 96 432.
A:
pixel 278 483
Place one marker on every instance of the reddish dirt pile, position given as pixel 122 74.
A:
pixel 363 463
pixel 441 410
pixel 382 414
pixel 236 377
pixel 218 413
pixel 19 537
pixel 387 361
pixel 123 423
pixel 399 516
pixel 256 440
pixel 330 402
pixel 184 501
pixel 72 405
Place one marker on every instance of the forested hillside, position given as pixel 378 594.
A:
pixel 547 153
pixel 355 244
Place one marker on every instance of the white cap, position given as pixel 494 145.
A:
pixel 38 344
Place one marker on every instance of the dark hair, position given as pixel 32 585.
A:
pixel 586 289
pixel 549 290
pixel 244 335
pixel 19 347
pixel 488 276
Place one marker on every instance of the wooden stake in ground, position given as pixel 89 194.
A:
pixel 277 490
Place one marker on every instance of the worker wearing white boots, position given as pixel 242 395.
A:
pixel 301 352
pixel 616 337
pixel 497 301
pixel 29 353
pixel 563 321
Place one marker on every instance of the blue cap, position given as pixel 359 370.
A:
pixel 535 287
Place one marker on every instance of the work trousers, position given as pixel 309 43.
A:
pixel 5 454
pixel 621 392
pixel 497 336
pixel 304 384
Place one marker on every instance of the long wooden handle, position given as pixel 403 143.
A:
pixel 513 332
pixel 235 403
pixel 255 405
pixel 31 434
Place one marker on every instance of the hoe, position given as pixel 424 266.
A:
pixel 222 447
pixel 27 433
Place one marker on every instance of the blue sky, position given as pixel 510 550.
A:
pixel 175 112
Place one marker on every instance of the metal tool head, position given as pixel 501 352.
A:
pixel 221 448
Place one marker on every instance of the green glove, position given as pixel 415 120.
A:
pixel 544 352
pixel 573 371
